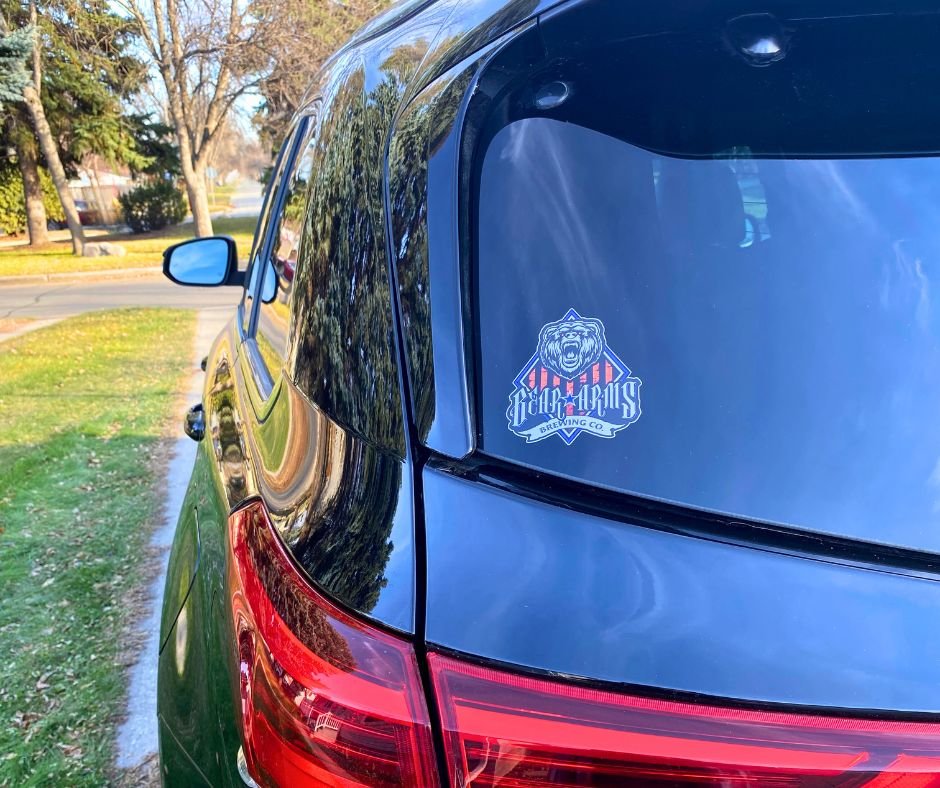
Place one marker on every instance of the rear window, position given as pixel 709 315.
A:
pixel 727 327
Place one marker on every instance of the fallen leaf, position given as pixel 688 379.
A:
pixel 24 719
pixel 70 750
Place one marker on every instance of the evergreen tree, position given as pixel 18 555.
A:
pixel 158 153
pixel 14 49
pixel 81 69
pixel 87 71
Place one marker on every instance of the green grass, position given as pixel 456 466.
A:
pixel 83 413
pixel 142 250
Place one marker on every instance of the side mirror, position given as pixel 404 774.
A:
pixel 269 286
pixel 194 422
pixel 203 262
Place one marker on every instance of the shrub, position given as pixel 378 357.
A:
pixel 153 206
pixel 12 203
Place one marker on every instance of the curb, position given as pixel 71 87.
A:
pixel 80 276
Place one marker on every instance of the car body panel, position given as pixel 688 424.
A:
pixel 183 564
pixel 193 680
pixel 176 766
pixel 341 492
pixel 185 698
pixel 338 502
pixel 524 582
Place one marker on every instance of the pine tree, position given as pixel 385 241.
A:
pixel 15 47
pixel 80 71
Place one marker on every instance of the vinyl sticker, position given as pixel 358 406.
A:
pixel 573 384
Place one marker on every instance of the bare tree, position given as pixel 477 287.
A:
pixel 238 151
pixel 208 54
pixel 47 142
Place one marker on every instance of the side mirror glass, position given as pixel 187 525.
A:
pixel 203 262
pixel 269 285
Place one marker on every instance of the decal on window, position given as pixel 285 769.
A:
pixel 573 383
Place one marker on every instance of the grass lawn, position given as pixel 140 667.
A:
pixel 83 417
pixel 142 250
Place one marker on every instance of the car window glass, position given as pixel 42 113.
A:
pixel 748 335
pixel 270 198
pixel 282 254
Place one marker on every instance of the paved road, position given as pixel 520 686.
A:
pixel 52 300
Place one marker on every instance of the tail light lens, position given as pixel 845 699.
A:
pixel 326 699
pixel 502 729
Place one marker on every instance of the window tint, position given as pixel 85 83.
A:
pixel 276 289
pixel 342 343
pixel 755 336
pixel 270 197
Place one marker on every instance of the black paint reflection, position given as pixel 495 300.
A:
pixel 418 137
pixel 225 432
pixel 355 532
pixel 342 341
pixel 475 26
pixel 341 505
pixel 408 201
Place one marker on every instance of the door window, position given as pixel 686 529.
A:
pixel 274 308
pixel 261 231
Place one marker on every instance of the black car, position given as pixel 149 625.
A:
pixel 580 421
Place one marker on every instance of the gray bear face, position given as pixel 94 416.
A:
pixel 570 347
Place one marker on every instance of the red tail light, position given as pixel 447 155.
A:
pixel 326 699
pixel 502 729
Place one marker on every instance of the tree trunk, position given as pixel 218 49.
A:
pixel 56 170
pixel 28 162
pixel 47 141
pixel 194 175
pixel 198 199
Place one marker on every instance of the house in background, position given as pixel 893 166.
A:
pixel 96 188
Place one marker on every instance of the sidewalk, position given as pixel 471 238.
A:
pixel 137 739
